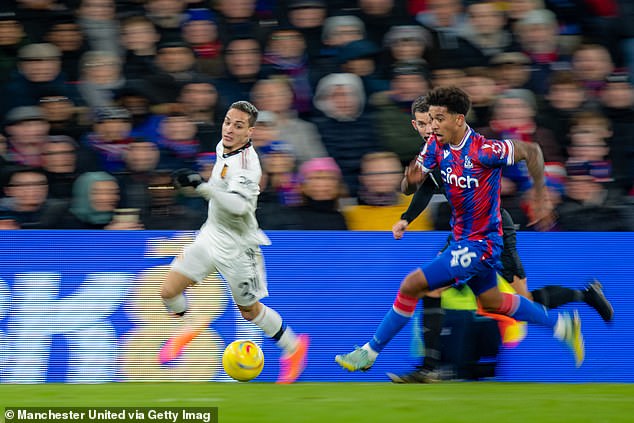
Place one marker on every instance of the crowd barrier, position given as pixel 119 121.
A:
pixel 83 306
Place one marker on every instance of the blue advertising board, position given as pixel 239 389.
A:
pixel 84 307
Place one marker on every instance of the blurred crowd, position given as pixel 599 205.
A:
pixel 101 100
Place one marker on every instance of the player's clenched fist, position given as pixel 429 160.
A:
pixel 187 178
pixel 399 228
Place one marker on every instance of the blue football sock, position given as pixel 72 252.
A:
pixel 531 312
pixel 391 324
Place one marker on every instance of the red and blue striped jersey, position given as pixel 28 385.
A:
pixel 472 173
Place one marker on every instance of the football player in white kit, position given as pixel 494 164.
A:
pixel 229 242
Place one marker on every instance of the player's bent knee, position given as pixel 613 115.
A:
pixel 250 312
pixel 414 284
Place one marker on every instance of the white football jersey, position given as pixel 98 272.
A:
pixel 238 172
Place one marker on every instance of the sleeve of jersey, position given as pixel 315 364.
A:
pixel 240 191
pixel 496 153
pixel 426 159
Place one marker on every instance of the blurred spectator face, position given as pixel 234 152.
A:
pixel 518 8
pixel 137 105
pixel 322 185
pixel 307 17
pixel 592 63
pixel 344 101
pixel 139 36
pixel 11 32
pixel 66 36
pixel 199 97
pixel 101 68
pixel 343 35
pixel 381 175
pixel 165 8
pixel 537 38
pixel 407 49
pixel 278 163
pixel 481 89
pixel 618 95
pixel 512 75
pixel 287 44
pixel 178 128
pixel 376 7
pixel 200 32
pixel 28 190
pixel 409 87
pixel 582 187
pixel 512 113
pixel 97 10
pixel 264 133
pixel 141 156
pixel 566 96
pixel 28 133
pixel 444 11
pixel 446 77
pixel 57 108
pixel 162 190
pixel 104 196
pixel 113 129
pixel 243 58
pixel 272 95
pixel 587 142
pixel 236 10
pixel 361 67
pixel 59 157
pixel 37 4
pixel 40 70
pixel 485 18
pixel 175 59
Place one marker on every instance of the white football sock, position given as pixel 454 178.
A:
pixel 177 304
pixel 271 323
pixel 372 355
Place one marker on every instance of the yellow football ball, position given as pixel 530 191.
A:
pixel 243 360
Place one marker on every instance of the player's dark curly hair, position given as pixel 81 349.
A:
pixel 419 105
pixel 453 98
pixel 248 108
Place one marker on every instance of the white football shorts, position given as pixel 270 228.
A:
pixel 244 273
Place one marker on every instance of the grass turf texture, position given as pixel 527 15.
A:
pixel 350 402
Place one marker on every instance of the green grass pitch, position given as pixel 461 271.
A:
pixel 458 402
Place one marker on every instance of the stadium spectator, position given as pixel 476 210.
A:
pixel 27 199
pixel 276 95
pixel 139 39
pixel 200 30
pixel 94 202
pixel 141 158
pixel 200 101
pixel 347 130
pixel 66 34
pixel 12 38
pixel 243 67
pixel 109 137
pixel 380 202
pixel 167 17
pixel 98 22
pixel 322 188
pixel 177 141
pixel 360 58
pixel 27 131
pixel 308 16
pixel 63 161
pixel 479 83
pixel 511 70
pixel 392 109
pixel 405 44
pixel 38 70
pixel 101 77
pixel 164 211
pixel 591 65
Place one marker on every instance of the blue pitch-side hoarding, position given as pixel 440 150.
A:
pixel 83 307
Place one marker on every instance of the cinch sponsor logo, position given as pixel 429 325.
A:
pixel 459 181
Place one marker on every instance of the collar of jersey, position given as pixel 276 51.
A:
pixel 464 139
pixel 233 153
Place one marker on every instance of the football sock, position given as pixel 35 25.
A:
pixel 523 309
pixel 274 327
pixel 433 317
pixel 394 320
pixel 176 305
pixel 553 296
